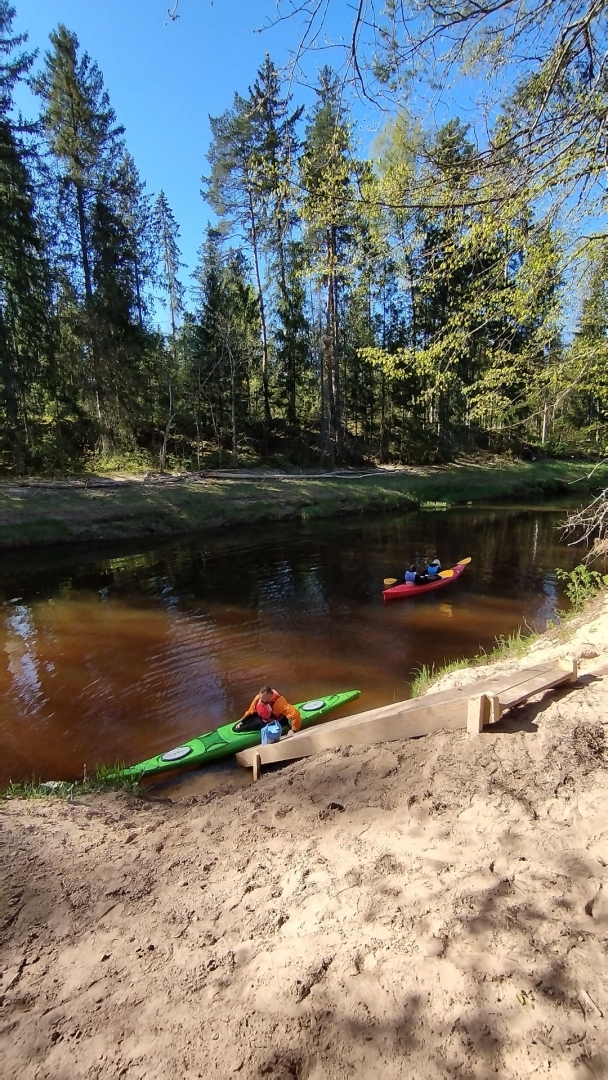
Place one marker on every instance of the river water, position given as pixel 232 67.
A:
pixel 117 655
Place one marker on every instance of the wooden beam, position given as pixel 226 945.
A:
pixel 446 710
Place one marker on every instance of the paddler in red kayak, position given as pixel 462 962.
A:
pixel 431 573
pixel 266 706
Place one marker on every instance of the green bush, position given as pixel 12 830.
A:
pixel 581 584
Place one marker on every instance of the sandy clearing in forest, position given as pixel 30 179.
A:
pixel 422 909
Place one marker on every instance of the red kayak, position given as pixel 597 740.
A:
pixel 399 592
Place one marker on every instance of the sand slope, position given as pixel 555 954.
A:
pixel 423 909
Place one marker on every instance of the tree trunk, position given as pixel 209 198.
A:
pixel 264 329
pixel 382 415
pixel 543 437
pixel 104 437
pixel 292 374
pixel 334 371
pixel 168 426
pixel 326 444
pixel 233 409
pixel 140 314
pixel 170 276
pixel 15 444
pixel 329 360
pixel 216 432
pixel 84 250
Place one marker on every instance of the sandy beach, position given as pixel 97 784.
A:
pixel 427 908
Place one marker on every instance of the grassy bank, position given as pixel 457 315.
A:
pixel 582 587
pixel 515 645
pixel 39 513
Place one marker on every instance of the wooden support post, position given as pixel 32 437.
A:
pixel 475 712
pixel 482 709
pixel 569 663
pixel 257 767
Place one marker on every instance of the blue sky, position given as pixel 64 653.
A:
pixel 165 78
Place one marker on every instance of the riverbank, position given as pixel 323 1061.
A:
pixel 98 509
pixel 429 908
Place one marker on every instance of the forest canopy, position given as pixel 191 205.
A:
pixel 400 305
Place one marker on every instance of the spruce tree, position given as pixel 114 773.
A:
pixel 224 340
pixel 101 204
pixel 166 231
pixel 82 132
pixel 25 319
pixel 292 335
pixel 135 210
pixel 274 150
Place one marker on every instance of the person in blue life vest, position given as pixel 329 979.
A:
pixel 432 571
pixel 412 577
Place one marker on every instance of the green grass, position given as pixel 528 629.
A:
pixel 32 515
pixel 427 675
pixel 516 644
pixel 103 780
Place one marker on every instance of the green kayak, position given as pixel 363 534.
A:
pixel 225 741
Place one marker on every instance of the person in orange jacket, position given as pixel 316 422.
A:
pixel 266 706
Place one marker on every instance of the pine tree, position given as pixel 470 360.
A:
pixel 327 175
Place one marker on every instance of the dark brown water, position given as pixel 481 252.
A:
pixel 109 657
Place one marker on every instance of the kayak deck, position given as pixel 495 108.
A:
pixel 224 741
pixel 400 592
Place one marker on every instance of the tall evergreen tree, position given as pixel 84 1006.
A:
pixel 327 174
pixel 236 191
pixel 224 340
pixel 82 132
pixel 25 319
pixel 167 238
pixel 135 210
pixel 293 332
pixel 586 374
pixel 274 150
pixel 105 221
pixel 86 144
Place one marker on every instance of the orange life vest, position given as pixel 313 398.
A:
pixel 264 709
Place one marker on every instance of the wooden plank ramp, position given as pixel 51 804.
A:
pixel 470 707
